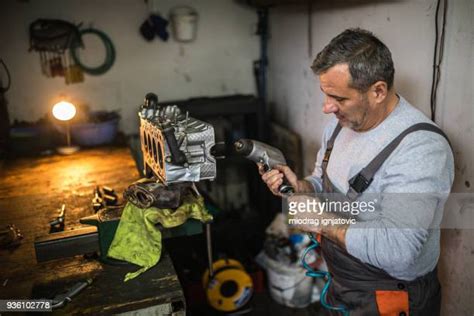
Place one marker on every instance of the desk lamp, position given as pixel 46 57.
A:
pixel 65 111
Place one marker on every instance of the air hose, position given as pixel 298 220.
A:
pixel 109 56
pixel 323 275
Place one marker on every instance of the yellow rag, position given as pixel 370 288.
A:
pixel 138 240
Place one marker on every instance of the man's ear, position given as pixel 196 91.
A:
pixel 379 91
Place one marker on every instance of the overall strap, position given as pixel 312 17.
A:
pixel 361 181
pixel 329 146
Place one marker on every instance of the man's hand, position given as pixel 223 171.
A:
pixel 274 178
pixel 336 232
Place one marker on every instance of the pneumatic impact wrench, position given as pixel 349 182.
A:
pixel 265 154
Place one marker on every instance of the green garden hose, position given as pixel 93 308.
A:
pixel 109 56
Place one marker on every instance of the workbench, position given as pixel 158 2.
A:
pixel 31 192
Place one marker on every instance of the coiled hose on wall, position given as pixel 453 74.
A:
pixel 109 56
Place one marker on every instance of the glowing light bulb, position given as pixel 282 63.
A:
pixel 64 111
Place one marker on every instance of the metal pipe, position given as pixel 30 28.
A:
pixel 209 249
pixel 68 134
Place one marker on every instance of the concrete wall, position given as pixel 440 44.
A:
pixel 407 28
pixel 456 116
pixel 219 62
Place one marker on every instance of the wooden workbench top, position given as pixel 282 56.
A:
pixel 31 192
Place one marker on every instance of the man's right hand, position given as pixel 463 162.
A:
pixel 274 178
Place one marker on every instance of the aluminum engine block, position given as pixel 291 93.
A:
pixel 175 147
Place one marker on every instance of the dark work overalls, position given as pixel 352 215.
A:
pixel 365 289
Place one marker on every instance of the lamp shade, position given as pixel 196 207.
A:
pixel 64 111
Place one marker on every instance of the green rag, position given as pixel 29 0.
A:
pixel 138 241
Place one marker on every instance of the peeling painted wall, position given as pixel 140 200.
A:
pixel 407 28
pixel 219 62
pixel 456 117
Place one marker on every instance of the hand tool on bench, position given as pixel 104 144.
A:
pixel 97 201
pixel 62 299
pixel 57 224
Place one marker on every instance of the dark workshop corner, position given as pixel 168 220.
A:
pixel 130 133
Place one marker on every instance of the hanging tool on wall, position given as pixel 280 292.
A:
pixel 72 72
pixel 53 40
pixel 58 43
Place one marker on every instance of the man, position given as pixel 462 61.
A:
pixel 386 262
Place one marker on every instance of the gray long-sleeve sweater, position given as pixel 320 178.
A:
pixel 422 163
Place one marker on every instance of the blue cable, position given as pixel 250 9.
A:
pixel 321 274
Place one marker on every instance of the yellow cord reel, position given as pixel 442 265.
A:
pixel 230 287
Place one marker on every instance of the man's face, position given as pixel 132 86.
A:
pixel 351 107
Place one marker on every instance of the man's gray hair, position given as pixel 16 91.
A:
pixel 369 60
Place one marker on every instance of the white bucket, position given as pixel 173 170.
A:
pixel 184 23
pixel 289 285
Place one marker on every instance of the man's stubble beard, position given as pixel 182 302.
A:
pixel 358 122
